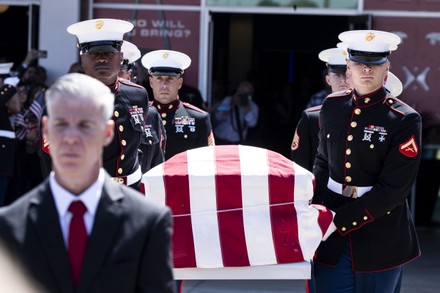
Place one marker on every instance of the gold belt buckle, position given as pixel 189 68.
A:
pixel 350 191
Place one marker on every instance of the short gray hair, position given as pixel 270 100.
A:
pixel 77 85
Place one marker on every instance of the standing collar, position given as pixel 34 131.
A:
pixel 369 99
pixel 114 87
pixel 166 108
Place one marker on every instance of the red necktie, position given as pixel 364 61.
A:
pixel 77 240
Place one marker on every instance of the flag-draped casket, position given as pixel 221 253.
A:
pixel 238 206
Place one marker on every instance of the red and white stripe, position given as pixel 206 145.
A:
pixel 238 206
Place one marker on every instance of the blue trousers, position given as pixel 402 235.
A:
pixel 341 279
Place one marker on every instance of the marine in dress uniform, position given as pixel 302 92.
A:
pixel 305 139
pixel 186 126
pixel 152 146
pixel 367 161
pixel 99 43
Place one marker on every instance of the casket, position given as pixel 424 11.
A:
pixel 238 206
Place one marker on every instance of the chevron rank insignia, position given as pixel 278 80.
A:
pixel 295 141
pixel 409 148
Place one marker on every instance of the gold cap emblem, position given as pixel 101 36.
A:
pixel 369 37
pixel 165 55
pixel 99 24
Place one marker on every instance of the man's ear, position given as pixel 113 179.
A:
pixel 348 65
pixel 327 79
pixel 109 132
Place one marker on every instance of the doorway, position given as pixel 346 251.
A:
pixel 281 61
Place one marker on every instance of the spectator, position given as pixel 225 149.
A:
pixel 234 115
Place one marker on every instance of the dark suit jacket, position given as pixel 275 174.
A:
pixel 129 248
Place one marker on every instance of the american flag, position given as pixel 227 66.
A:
pixel 36 108
pixel 236 206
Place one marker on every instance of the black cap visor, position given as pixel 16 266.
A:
pixel 165 71
pixel 100 46
pixel 373 58
pixel 337 68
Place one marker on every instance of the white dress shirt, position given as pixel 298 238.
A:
pixel 90 197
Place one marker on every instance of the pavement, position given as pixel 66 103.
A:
pixel 420 276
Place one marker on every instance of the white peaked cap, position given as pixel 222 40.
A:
pixel 370 40
pixel 130 51
pixel 166 62
pixel 102 29
pixel 393 85
pixel 333 56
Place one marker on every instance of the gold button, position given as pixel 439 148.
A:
pixel 150 142
pixel 367 100
pixel 354 223
pixel 343 229
pixel 170 107
pixel 123 142
pixel 348 165
pixel 348 151
pixel 350 137
pixel 159 107
pixel 365 218
pixel 348 179
pixel 164 115
pixel 164 122
pixel 388 212
pixel 357 111
pixel 120 171
pixel 390 101
pixel 185 136
pixel 116 114
pixel 371 146
pixel 328 135
pixel 122 157
pixel 121 128
pixel 3 146
pixel 353 124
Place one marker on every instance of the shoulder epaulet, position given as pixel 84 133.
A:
pixel 130 83
pixel 399 106
pixel 188 105
pixel 340 93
